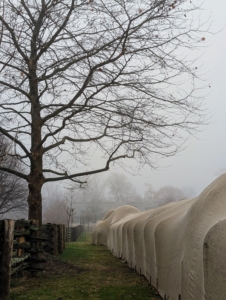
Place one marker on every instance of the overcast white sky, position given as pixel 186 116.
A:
pixel 205 156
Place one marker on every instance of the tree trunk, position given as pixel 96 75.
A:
pixel 5 261
pixel 35 197
pixel 36 178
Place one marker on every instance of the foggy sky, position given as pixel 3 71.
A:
pixel 205 156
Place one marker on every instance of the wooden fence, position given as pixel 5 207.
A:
pixel 54 236
pixel 20 245
pixel 73 233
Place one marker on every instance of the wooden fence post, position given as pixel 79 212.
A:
pixel 5 262
pixel 55 239
pixel 64 237
pixel 69 234
pixel 20 239
pixel 35 246
pixel 61 238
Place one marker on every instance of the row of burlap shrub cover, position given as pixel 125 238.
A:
pixel 179 247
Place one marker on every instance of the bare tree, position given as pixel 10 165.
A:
pixel 54 205
pixel 149 194
pixel 93 211
pixel 13 191
pixel 110 74
pixel 121 189
pixel 70 209
pixel 55 212
pixel 168 194
pixel 94 193
pixel 95 189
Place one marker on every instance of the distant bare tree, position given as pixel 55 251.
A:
pixel 95 210
pixel 95 189
pixel 121 189
pixel 70 208
pixel 13 190
pixel 60 205
pixel 168 194
pixel 55 212
pixel 95 196
pixel 110 74
pixel 149 194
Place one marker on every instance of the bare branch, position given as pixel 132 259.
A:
pixel 115 77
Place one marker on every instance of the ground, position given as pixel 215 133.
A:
pixel 83 272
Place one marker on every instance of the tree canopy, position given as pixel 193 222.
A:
pixel 76 76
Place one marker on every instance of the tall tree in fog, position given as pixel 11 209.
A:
pixel 168 194
pixel 94 194
pixel 121 189
pixel 95 189
pixel 81 75
pixel 149 194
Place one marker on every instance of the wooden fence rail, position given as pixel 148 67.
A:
pixel 55 238
pixel 5 260
pixel 73 233
pixel 20 246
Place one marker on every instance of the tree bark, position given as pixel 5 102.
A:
pixel 36 178
pixel 5 263
pixel 35 197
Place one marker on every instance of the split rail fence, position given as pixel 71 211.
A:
pixel 73 233
pixel 21 244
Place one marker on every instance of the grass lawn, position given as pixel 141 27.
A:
pixel 84 271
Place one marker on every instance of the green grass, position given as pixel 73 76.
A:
pixel 99 276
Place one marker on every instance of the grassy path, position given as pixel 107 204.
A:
pixel 86 272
